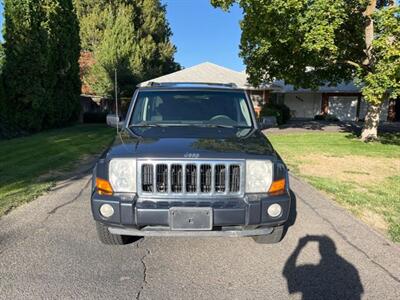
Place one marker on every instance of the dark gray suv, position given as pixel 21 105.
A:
pixel 191 160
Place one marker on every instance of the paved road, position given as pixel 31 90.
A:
pixel 48 249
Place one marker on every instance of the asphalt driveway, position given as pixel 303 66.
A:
pixel 49 249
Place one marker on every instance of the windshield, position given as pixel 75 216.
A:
pixel 191 108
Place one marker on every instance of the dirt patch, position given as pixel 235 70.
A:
pixel 375 220
pixel 362 170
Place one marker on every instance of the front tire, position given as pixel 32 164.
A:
pixel 113 239
pixel 275 237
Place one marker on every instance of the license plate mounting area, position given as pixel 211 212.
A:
pixel 191 218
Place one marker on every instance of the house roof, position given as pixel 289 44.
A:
pixel 211 73
pixel 206 73
pixel 340 88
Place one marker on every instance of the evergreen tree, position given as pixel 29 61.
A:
pixel 2 58
pixel 155 52
pixel 41 73
pixel 63 66
pixel 26 63
pixel 114 53
pixel 130 36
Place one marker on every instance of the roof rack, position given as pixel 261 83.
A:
pixel 161 84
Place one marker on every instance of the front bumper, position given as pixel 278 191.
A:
pixel 162 231
pixel 150 217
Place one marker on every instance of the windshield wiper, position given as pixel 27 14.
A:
pixel 145 125
pixel 223 126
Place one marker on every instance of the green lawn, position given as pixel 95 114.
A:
pixel 365 178
pixel 30 165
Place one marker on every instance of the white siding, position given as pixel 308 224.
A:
pixel 345 108
pixel 303 105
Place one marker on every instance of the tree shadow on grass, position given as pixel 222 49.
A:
pixel 332 278
pixel 390 138
pixel 386 138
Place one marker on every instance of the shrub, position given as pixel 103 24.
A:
pixel 94 117
pixel 280 111
pixel 326 117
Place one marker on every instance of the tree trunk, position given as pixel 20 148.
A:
pixel 369 32
pixel 370 129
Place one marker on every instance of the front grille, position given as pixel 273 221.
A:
pixel 205 178
pixel 161 178
pixel 220 174
pixel 147 178
pixel 200 178
pixel 176 178
pixel 191 178
pixel 234 178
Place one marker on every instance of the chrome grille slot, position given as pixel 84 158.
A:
pixel 187 178
pixel 147 178
pixel 162 178
pixel 234 178
pixel 205 178
pixel 176 178
pixel 220 173
pixel 191 178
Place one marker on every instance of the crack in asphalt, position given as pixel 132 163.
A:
pixel 144 280
pixel 54 210
pixel 349 242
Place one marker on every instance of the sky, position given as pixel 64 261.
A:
pixel 201 33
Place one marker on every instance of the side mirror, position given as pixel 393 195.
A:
pixel 113 120
pixel 267 122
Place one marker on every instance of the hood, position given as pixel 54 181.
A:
pixel 189 142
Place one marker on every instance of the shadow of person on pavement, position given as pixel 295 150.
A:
pixel 332 278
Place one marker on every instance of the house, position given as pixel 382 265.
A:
pixel 344 100
pixel 211 73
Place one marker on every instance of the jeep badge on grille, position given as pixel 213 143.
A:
pixel 191 155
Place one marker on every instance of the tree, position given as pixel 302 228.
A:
pixel 2 57
pixel 24 70
pixel 41 73
pixel 308 43
pixel 114 53
pixel 155 52
pixel 130 36
pixel 63 66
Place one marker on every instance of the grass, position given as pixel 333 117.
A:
pixel 30 165
pixel 363 177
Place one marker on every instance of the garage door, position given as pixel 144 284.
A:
pixel 303 105
pixel 345 108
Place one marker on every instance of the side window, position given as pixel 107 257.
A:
pixel 140 112
pixel 244 111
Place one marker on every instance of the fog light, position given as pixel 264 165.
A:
pixel 274 210
pixel 106 210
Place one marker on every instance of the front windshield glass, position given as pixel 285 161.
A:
pixel 191 108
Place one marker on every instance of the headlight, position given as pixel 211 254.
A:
pixel 122 175
pixel 258 176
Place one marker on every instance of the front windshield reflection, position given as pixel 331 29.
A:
pixel 191 108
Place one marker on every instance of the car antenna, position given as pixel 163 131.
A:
pixel 116 97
